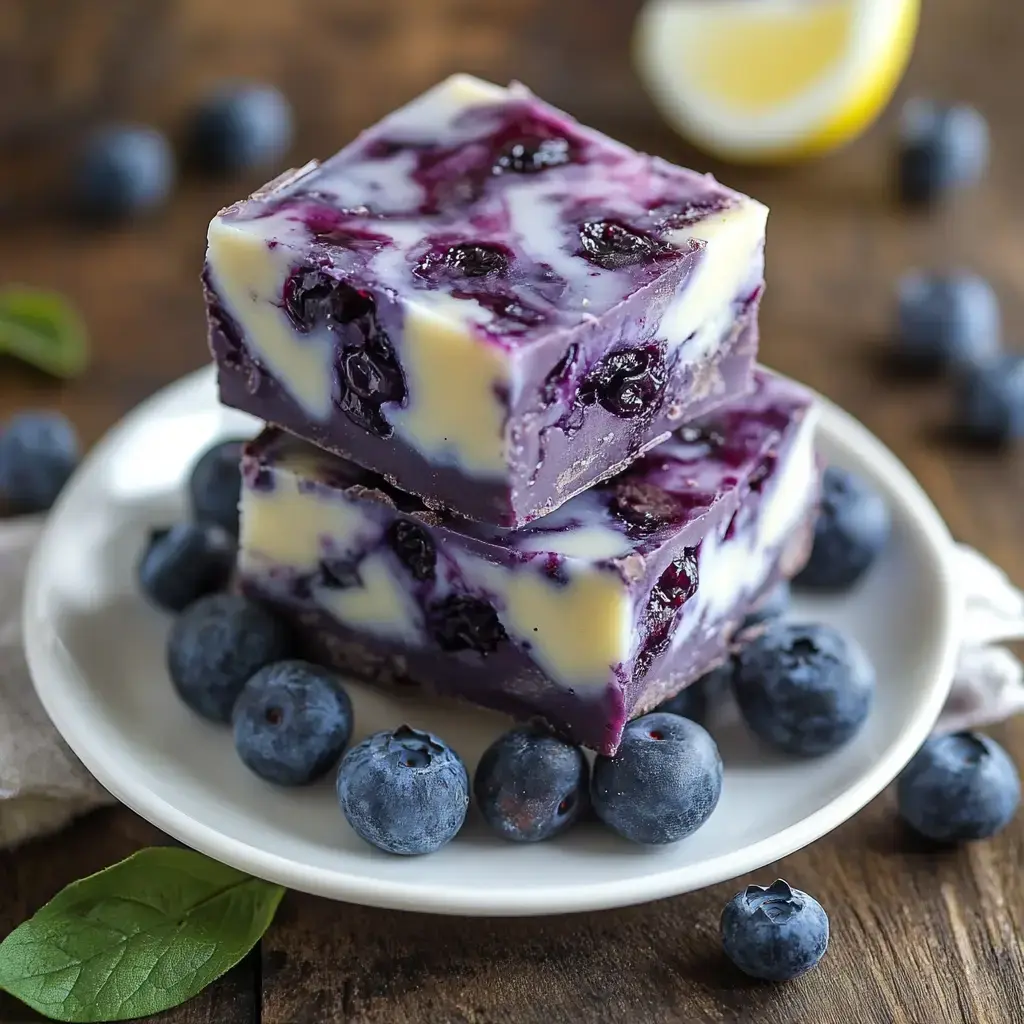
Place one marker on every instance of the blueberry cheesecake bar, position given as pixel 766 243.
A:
pixel 587 617
pixel 485 302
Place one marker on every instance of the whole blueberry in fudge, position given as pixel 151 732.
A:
pixel 584 619
pixel 487 303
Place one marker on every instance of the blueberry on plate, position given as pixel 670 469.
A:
pixel 186 562
pixel 946 320
pixel 38 453
pixel 662 783
pixel 697 700
pixel 240 126
pixel 804 688
pixel 291 722
pixel 123 170
pixel 774 933
pixel 216 646
pixel 852 528
pixel 773 605
pixel 989 401
pixel 941 148
pixel 531 785
pixel 959 787
pixel 405 792
pixel 215 485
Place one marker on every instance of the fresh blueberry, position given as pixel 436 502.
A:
pixel 405 791
pixel 123 170
pixel 186 562
pixel 946 320
pixel 216 646
pixel 773 605
pixel 530 785
pixel 291 722
pixel 38 452
pixel 989 401
pixel 804 688
pixel 774 933
pixel 696 700
pixel 663 782
pixel 959 787
pixel 941 148
pixel 241 126
pixel 215 485
pixel 852 527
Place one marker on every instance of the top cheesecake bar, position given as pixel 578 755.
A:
pixel 487 303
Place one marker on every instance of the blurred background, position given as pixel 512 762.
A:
pixel 838 238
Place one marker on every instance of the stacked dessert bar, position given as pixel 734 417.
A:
pixel 517 449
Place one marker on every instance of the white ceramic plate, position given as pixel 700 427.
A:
pixel 96 650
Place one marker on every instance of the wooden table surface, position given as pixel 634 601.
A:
pixel 918 936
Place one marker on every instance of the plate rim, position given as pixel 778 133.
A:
pixel 844 430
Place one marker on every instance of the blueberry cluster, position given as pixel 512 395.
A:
pixel 804 689
pixel 123 170
pixel 949 322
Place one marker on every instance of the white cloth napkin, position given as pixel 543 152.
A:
pixel 43 785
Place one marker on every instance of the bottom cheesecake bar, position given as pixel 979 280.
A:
pixel 585 618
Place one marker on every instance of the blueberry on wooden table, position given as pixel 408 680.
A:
pixel 530 785
pixel 959 787
pixel 989 401
pixel 38 453
pixel 122 170
pixel 240 126
pixel 216 646
pixel 852 528
pixel 774 933
pixel 941 147
pixel 291 722
pixel 662 783
pixel 185 563
pixel 404 791
pixel 946 320
pixel 805 689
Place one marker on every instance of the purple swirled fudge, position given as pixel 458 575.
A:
pixel 585 618
pixel 487 303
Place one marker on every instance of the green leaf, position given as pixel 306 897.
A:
pixel 140 937
pixel 42 328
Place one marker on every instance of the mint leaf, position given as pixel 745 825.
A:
pixel 140 937
pixel 42 328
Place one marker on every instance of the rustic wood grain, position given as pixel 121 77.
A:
pixel 919 935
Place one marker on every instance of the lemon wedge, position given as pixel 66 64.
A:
pixel 773 80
